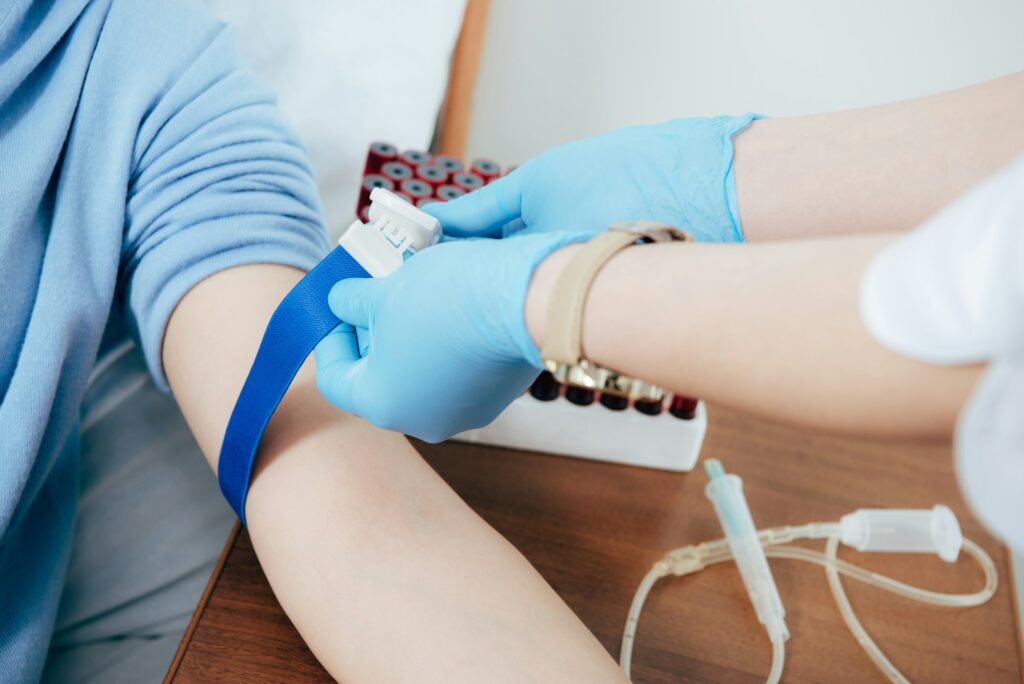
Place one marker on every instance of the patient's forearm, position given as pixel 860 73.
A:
pixel 877 169
pixel 386 573
pixel 772 328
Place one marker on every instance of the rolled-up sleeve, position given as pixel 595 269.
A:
pixel 217 181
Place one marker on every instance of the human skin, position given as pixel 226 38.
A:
pixel 877 169
pixel 773 328
pixel 387 574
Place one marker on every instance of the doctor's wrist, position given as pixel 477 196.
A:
pixel 538 295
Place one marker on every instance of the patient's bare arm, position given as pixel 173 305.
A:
pixel 385 572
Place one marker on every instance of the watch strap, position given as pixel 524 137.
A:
pixel 563 328
pixel 562 351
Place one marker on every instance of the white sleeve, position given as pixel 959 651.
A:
pixel 952 291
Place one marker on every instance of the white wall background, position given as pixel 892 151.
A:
pixel 555 70
pixel 336 84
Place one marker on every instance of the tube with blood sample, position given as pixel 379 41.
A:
pixel 432 174
pixel 614 402
pixel 682 407
pixel 369 183
pixel 417 189
pixel 648 407
pixel 396 172
pixel 545 387
pixel 580 396
pixel 414 158
pixel 379 154
pixel 450 164
pixel 486 169
pixel 447 193
pixel 467 182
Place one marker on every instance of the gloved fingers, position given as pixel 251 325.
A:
pixel 353 300
pixel 363 336
pixel 483 212
pixel 337 356
pixel 513 227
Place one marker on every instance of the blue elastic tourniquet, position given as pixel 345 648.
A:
pixel 300 321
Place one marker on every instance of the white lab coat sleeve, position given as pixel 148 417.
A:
pixel 952 291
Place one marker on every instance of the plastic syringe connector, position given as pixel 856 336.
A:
pixel 903 530
pixel 396 231
pixel 726 495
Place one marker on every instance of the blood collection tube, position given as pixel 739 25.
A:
pixel 423 201
pixel 467 181
pixel 449 163
pixel 417 189
pixel 683 407
pixel 369 183
pixel 649 407
pixel 432 174
pixel 379 154
pixel 545 387
pixel 414 158
pixel 364 214
pixel 614 402
pixel 396 172
pixel 486 169
pixel 448 192
pixel 579 395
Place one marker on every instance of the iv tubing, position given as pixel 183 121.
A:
pixel 690 559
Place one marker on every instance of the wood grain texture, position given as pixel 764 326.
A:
pixel 594 529
pixel 458 102
pixel 204 601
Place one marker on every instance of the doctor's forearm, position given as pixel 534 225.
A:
pixel 386 573
pixel 770 328
pixel 884 168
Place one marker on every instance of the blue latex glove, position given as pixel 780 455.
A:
pixel 447 347
pixel 678 172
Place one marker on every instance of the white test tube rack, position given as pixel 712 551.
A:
pixel 597 432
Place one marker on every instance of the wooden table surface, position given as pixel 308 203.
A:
pixel 594 529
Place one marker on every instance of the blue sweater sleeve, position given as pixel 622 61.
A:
pixel 217 181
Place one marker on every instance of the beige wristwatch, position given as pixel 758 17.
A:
pixel 562 353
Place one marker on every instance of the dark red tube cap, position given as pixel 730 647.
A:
pixel 369 183
pixel 467 181
pixel 683 407
pixel 396 172
pixel 380 153
pixel 414 158
pixel 446 193
pixel 449 163
pixel 417 189
pixel 486 169
pixel 432 173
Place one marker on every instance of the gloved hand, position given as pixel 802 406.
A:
pixel 447 347
pixel 678 172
